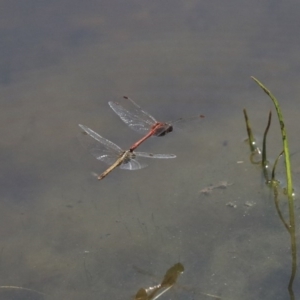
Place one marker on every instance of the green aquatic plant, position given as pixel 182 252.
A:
pixel 264 161
pixel 275 165
pixel 252 143
pixel 285 146
pixel 289 225
pixel 251 139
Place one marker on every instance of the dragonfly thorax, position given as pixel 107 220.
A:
pixel 128 155
pixel 161 129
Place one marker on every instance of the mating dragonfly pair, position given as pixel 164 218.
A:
pixel 138 120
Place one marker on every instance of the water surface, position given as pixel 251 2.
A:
pixel 66 234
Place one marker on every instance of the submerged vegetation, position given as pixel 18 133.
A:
pixel 153 292
pixel 271 180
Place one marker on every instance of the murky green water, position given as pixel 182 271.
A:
pixel 67 235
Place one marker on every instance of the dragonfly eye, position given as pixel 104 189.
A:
pixel 167 130
pixel 164 130
pixel 170 129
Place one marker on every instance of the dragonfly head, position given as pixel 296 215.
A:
pixel 164 130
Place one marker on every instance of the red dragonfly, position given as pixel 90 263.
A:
pixel 111 154
pixel 141 121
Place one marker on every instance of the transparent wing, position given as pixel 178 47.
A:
pixel 132 165
pixel 101 148
pixel 151 155
pixel 187 123
pixel 136 119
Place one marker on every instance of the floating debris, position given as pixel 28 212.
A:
pixel 231 204
pixel 249 203
pixel 170 278
pixel 207 190
pixel 221 185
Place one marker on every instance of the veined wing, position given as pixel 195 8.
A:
pixel 136 119
pixel 132 164
pixel 151 155
pixel 99 147
pixel 138 108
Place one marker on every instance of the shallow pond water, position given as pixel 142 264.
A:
pixel 67 235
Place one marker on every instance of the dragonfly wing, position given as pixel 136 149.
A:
pixel 98 146
pixel 136 119
pixel 106 158
pixel 132 165
pixel 151 155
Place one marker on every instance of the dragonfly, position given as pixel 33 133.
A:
pixel 142 122
pixel 168 282
pixel 108 152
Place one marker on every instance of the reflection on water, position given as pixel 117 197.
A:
pixel 69 236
